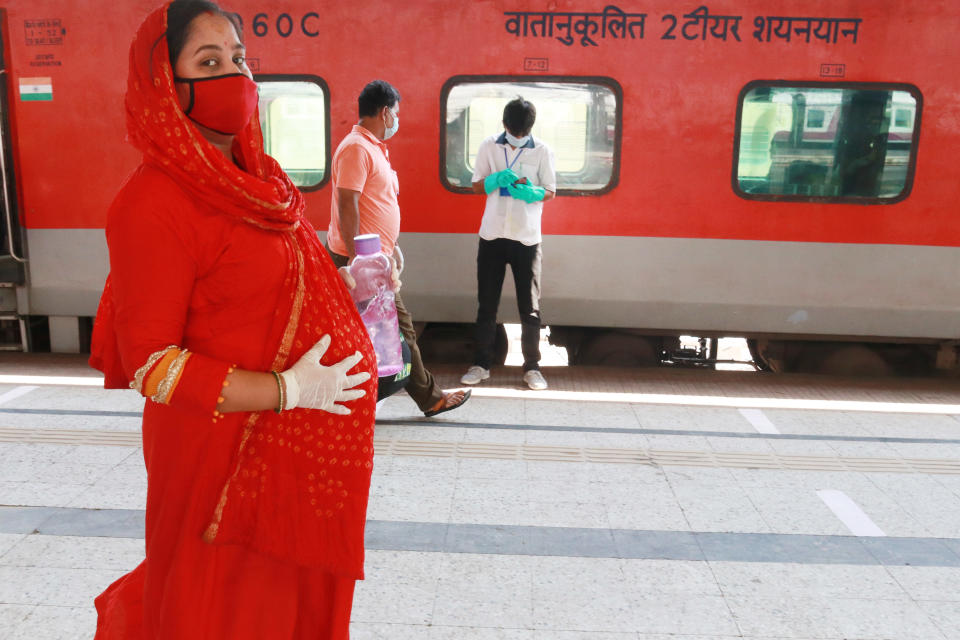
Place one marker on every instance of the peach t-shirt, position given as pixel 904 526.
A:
pixel 362 163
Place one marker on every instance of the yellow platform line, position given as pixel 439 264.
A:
pixel 544 453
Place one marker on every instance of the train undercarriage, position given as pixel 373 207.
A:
pixel 596 346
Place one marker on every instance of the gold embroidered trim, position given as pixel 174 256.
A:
pixel 294 320
pixel 141 373
pixel 169 382
pixel 293 227
pixel 156 375
pixel 210 534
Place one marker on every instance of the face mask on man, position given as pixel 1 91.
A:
pixel 223 104
pixel 515 141
pixel 388 133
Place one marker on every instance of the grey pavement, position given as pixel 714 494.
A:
pixel 578 517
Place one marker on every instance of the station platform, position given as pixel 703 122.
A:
pixel 616 505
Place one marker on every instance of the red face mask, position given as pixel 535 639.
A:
pixel 223 104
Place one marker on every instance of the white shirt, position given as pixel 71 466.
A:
pixel 505 216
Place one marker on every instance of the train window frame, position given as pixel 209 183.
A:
pixel 912 89
pixel 325 88
pixel 605 81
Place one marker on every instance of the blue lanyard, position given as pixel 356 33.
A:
pixel 515 158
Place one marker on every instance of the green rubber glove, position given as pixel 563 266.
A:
pixel 506 177
pixel 526 192
pixel 499 179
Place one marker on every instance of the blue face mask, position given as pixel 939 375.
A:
pixel 515 141
pixel 388 133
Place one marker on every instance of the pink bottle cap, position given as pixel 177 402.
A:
pixel 367 244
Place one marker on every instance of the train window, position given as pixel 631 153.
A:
pixel 577 117
pixel 815 118
pixel 828 142
pixel 294 117
pixel 904 118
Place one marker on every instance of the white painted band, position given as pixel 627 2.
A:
pixel 718 401
pixel 66 381
pixel 759 420
pixel 16 393
pixel 850 513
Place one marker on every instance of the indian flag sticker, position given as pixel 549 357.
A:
pixel 36 89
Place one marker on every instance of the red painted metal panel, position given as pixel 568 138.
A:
pixel 679 106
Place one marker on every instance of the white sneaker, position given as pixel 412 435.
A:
pixel 474 375
pixel 535 380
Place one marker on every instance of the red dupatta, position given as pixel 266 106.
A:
pixel 299 487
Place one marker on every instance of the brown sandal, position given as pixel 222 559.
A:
pixel 444 403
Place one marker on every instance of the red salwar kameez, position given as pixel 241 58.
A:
pixel 254 525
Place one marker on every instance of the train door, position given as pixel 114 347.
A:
pixel 13 335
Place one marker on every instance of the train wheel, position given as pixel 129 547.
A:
pixel 452 343
pixel 853 360
pixel 446 343
pixel 767 354
pixel 832 358
pixel 615 349
pixel 501 346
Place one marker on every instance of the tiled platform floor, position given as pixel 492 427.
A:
pixel 533 543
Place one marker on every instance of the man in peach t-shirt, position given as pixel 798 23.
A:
pixel 365 190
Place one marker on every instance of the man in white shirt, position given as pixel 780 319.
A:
pixel 517 174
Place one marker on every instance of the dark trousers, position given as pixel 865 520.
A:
pixel 422 387
pixel 493 256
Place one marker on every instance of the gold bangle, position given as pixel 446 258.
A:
pixel 280 407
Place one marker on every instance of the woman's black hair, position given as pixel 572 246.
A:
pixel 519 116
pixel 181 13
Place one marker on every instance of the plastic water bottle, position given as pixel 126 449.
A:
pixel 374 297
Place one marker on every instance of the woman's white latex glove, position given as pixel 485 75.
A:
pixel 311 385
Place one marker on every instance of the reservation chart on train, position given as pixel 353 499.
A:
pixel 636 504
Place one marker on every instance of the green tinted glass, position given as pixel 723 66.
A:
pixel 576 120
pixel 837 143
pixel 294 121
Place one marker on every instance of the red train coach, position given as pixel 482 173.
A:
pixel 779 171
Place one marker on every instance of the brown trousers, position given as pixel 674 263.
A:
pixel 422 387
